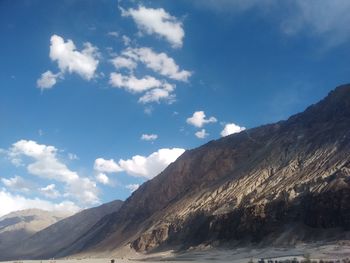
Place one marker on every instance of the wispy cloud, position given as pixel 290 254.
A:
pixel 327 20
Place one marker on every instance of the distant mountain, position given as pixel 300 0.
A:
pixel 276 184
pixel 52 240
pixel 20 225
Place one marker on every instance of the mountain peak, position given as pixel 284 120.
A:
pixel 334 107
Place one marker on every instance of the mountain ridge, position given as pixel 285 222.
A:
pixel 279 183
pixel 201 190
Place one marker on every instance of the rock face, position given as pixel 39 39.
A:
pixel 18 226
pixel 50 241
pixel 278 183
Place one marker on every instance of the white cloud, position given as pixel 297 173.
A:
pixel 50 191
pixel 84 62
pixel 231 128
pixel 156 95
pixel 46 164
pixel 155 89
pixel 17 183
pixel 102 178
pixel 158 62
pixel 106 166
pixel 133 84
pixel 198 119
pixel 201 134
pixel 47 80
pixel 159 22
pixel 132 187
pixel 84 190
pixel 10 203
pixel 149 137
pixel 123 62
pixel 150 166
pixel 126 40
pixel 113 34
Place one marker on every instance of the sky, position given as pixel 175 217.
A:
pixel 97 97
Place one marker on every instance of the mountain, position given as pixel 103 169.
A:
pixel 280 183
pixel 50 241
pixel 20 225
pixel 276 184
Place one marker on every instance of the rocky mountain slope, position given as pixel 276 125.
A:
pixel 20 225
pixel 278 183
pixel 50 241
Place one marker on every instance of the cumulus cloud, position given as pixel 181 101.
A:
pixel 155 89
pixel 69 59
pixel 201 134
pixel 102 178
pixel 47 80
pixel 132 187
pixel 106 166
pixel 231 128
pixel 123 62
pixel 159 22
pixel 10 203
pixel 157 94
pixel 158 62
pixel 17 183
pixel 150 166
pixel 199 119
pixel 45 163
pixel 133 84
pixel 84 63
pixel 149 137
pixel 84 190
pixel 50 191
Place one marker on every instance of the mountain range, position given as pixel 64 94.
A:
pixel 18 226
pixel 277 184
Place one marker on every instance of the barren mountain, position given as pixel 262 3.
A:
pixel 51 240
pixel 278 183
pixel 275 184
pixel 20 225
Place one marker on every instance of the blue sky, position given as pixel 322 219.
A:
pixel 99 96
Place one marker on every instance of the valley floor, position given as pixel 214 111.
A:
pixel 327 253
